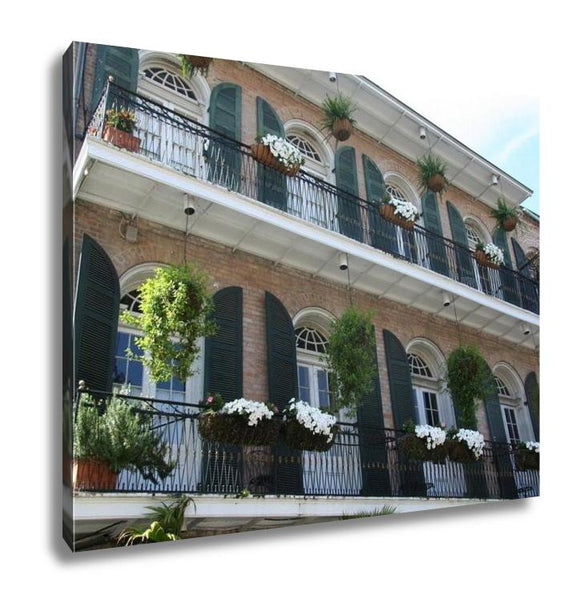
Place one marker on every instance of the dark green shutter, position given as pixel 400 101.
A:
pixel 464 260
pixel 383 233
pixel 501 448
pixel 271 183
pixel 222 466
pixel 532 389
pixel 223 155
pixel 372 441
pixel 348 214
pixel 529 290
pixel 508 280
pixel 96 317
pixel 412 478
pixel 283 386
pixel 435 243
pixel 122 63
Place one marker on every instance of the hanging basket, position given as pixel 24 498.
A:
pixel 387 211
pixel 458 451
pixel 483 260
pixel 196 64
pixel 121 138
pixel 93 475
pixel 527 460
pixel 263 154
pixel 412 447
pixel 342 129
pixel 300 438
pixel 436 183
pixel 509 223
pixel 234 429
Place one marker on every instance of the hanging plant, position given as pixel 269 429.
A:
pixel 176 312
pixel 505 216
pixel 339 116
pixel 467 380
pixel 527 456
pixel 465 445
pixel 432 174
pixel 350 357
pixel 422 442
pixel 193 65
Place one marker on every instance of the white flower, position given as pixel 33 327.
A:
pixel 473 439
pixel 283 150
pixel 435 436
pixel 314 419
pixel 493 253
pixel 533 446
pixel 255 410
pixel 405 210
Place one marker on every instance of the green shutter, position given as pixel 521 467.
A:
pixel 347 182
pixel 223 156
pixel 271 183
pixel 508 280
pixel 122 63
pixel 412 479
pixel 529 290
pixel 532 389
pixel 96 317
pixel 383 233
pixel 372 441
pixel 435 245
pixel 464 260
pixel 222 468
pixel 283 386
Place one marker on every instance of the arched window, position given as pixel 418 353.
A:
pixel 486 280
pixel 169 81
pixel 515 415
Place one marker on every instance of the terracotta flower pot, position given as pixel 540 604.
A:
pixel 509 223
pixel 93 475
pixel 436 183
pixel 121 138
pixel 342 129
pixel 483 260
pixel 387 211
pixel 263 154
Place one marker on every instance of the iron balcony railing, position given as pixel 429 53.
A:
pixel 197 151
pixel 363 462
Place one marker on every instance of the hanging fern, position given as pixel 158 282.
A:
pixel 176 312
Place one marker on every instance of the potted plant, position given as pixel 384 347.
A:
pixel 307 428
pixel 489 255
pixel 278 153
pixel 465 445
pixel 118 129
pixel 339 116
pixel 527 456
pixel 176 309
pixel 423 442
pixel 350 357
pixel 193 65
pixel 402 213
pixel 432 174
pixel 505 216
pixel 118 438
pixel 242 422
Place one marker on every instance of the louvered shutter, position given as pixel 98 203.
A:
pixel 283 386
pixel 464 260
pixel 509 285
pixel 383 233
pixel 223 156
pixel 412 479
pixel 348 215
pixel 96 317
pixel 271 183
pixel 122 63
pixel 222 468
pixel 529 290
pixel 372 441
pixel 532 390
pixel 435 243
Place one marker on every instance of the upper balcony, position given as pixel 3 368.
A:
pixel 300 221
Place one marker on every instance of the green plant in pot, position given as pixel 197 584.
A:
pixel 118 128
pixel 350 357
pixel 176 311
pixel 505 216
pixel 114 436
pixel 194 65
pixel 339 116
pixel 431 174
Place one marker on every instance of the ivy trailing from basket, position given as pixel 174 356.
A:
pixel 467 380
pixel 350 357
pixel 176 309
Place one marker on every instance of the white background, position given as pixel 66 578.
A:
pixel 514 557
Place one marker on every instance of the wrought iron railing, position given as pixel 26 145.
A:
pixel 363 461
pixel 195 150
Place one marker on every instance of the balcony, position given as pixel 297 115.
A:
pixel 363 463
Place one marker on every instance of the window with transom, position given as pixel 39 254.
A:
pixel 170 81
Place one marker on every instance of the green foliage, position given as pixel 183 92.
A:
pixel 122 119
pixel 504 211
pixel 428 166
pixel 193 65
pixel 377 512
pixel 350 357
pixel 337 108
pixel 176 311
pixel 467 380
pixel 120 436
